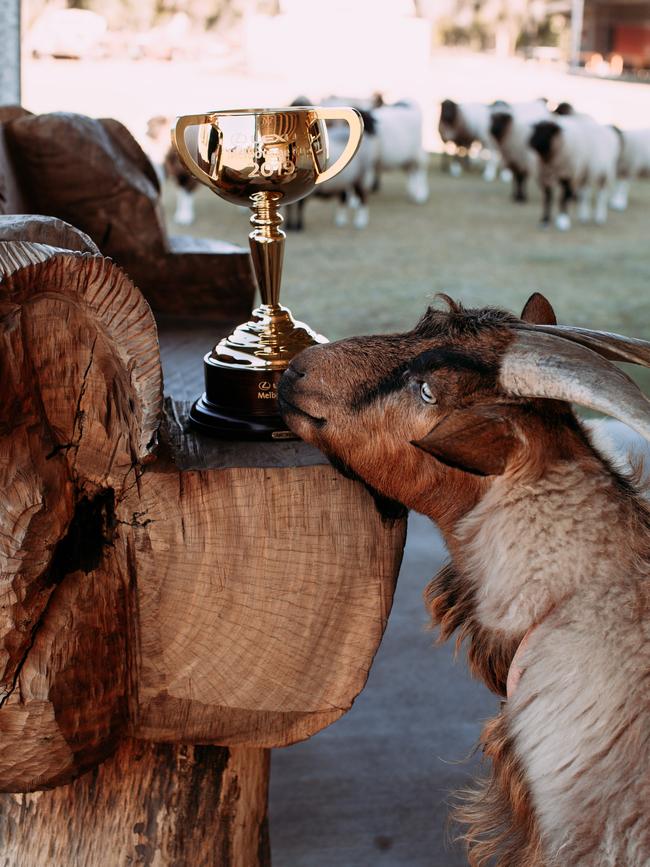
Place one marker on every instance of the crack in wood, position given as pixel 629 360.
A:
pixel 89 532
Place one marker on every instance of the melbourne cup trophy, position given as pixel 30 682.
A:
pixel 263 159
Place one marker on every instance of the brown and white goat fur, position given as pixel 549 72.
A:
pixel 548 543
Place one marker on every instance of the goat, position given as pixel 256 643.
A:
pixel 581 156
pixel 467 418
pixel 465 123
pixel 352 185
pixel 511 127
pixel 634 162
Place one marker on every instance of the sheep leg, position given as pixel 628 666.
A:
pixel 547 207
pixel 602 195
pixel 491 168
pixel 184 214
pixel 417 185
pixel 299 219
pixel 360 219
pixel 375 186
pixel 341 216
pixel 563 220
pixel 620 196
pixel 519 185
pixel 585 196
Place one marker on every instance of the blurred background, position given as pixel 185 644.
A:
pixel 372 789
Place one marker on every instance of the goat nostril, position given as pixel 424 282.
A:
pixel 295 372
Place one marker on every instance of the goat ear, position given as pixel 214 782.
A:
pixel 471 441
pixel 538 310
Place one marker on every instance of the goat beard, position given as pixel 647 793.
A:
pixel 389 509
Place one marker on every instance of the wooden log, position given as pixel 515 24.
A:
pixel 150 804
pixel 219 594
pixel 68 612
pixel 264 581
pixel 80 410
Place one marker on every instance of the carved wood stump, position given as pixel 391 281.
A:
pixel 170 607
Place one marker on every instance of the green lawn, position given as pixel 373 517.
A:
pixel 470 241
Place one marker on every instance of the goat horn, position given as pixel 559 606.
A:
pixel 537 364
pixel 615 347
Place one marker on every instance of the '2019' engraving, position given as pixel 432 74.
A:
pixel 272 156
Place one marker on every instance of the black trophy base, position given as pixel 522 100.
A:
pixel 239 404
pixel 212 420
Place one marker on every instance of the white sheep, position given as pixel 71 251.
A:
pixel 352 185
pixel 399 135
pixel 579 155
pixel 465 123
pixel 634 162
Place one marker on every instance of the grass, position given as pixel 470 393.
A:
pixel 470 241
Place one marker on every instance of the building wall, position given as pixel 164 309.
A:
pixel 621 28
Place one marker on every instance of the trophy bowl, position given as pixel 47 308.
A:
pixel 262 159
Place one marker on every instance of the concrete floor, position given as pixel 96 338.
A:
pixel 372 790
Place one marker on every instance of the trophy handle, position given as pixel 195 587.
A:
pixel 178 139
pixel 354 120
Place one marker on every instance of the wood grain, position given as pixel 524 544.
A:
pixel 156 585
pixel 149 805
pixel 263 595
pixel 82 395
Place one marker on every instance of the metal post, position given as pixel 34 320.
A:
pixel 10 52
pixel 577 17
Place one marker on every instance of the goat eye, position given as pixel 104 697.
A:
pixel 426 394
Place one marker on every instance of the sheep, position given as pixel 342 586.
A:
pixel 468 419
pixel 169 165
pixel 511 127
pixel 399 134
pixel 580 155
pixel 634 162
pixel 399 137
pixel 465 123
pixel 351 186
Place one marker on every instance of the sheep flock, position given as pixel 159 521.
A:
pixel 578 163
pixel 572 157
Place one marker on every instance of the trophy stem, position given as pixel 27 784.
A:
pixel 267 246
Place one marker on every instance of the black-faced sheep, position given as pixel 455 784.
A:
pixel 465 123
pixel 580 156
pixel 511 127
pixel 468 419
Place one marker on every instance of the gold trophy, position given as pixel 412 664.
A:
pixel 262 158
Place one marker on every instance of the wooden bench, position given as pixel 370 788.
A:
pixel 172 607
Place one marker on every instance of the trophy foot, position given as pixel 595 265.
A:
pixel 210 419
